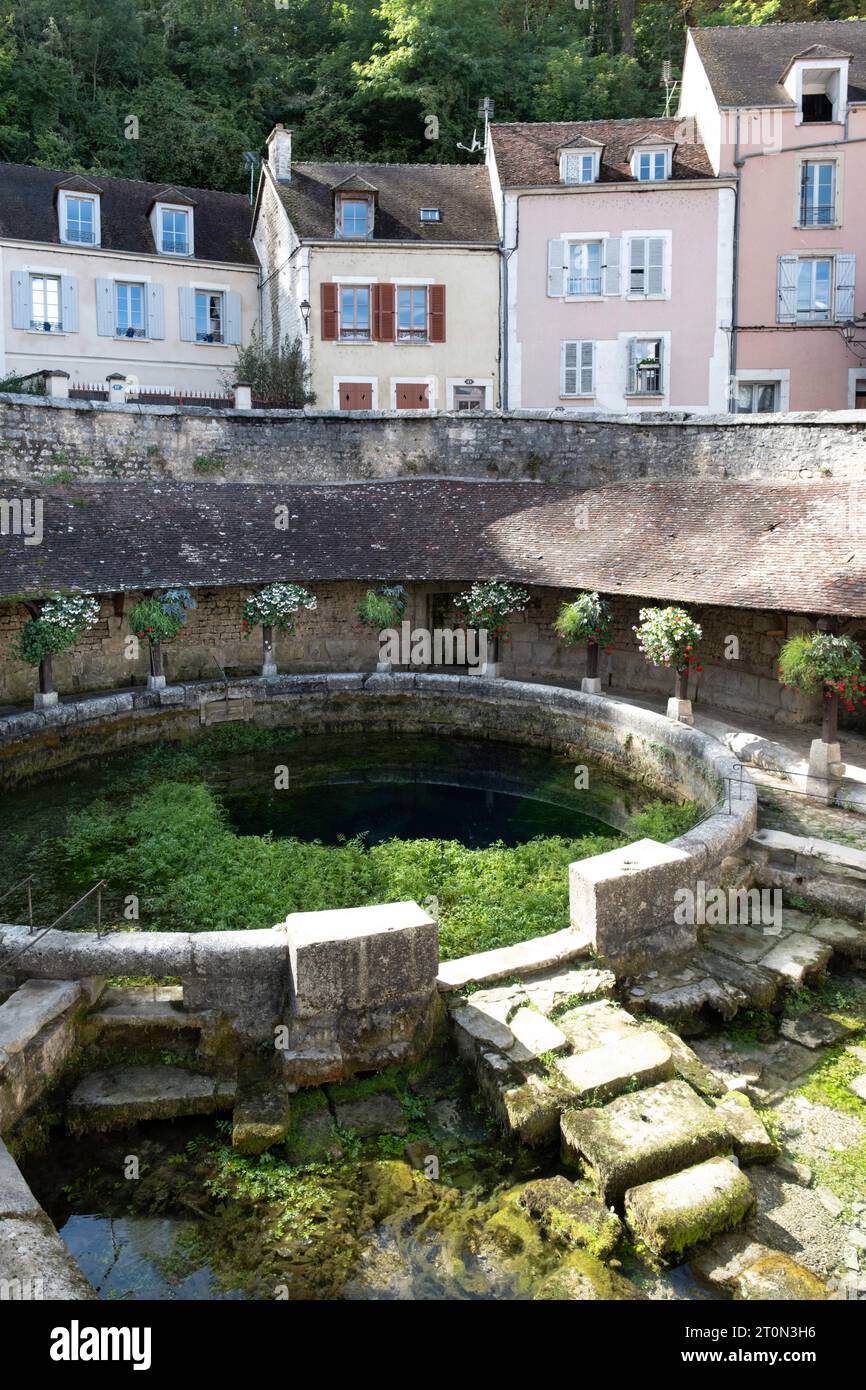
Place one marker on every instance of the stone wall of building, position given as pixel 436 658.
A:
pixel 50 439
pixel 330 639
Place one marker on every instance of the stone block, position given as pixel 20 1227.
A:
pixel 243 973
pixel 593 1025
pixel 736 1265
pixel 16 1199
pixel 752 1143
pixel 356 958
pixel 35 1264
pixel 534 1034
pixel 673 1214
pixel 377 1113
pixel 622 903
pixel 604 1072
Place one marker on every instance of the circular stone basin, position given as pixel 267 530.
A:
pixel 413 788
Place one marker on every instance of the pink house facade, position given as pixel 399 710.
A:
pixel 782 109
pixel 617 267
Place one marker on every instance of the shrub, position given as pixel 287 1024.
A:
pixel 819 661
pixel 277 372
pixel 59 625
pixel 587 619
pixel 381 608
pixel 159 619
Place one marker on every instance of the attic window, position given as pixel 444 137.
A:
pixel 431 214
pixel 651 166
pixel 354 216
pixel 79 218
pixel 579 167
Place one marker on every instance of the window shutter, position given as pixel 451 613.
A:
pixel 786 310
pixel 557 255
pixel 232 329
pixel 660 353
pixel 637 261
pixel 69 303
pixel 655 272
pixel 587 364
pixel 20 299
pixel 612 265
pixel 105 318
pixel 155 311
pixel 383 297
pixel 330 317
pixel 845 287
pixel 568 369
pixel 186 305
pixel 437 313
pixel 631 376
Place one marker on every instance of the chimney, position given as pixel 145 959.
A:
pixel 280 153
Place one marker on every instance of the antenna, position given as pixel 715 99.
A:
pixel 486 108
pixel 251 160
pixel 670 86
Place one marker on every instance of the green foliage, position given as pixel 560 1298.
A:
pixel 61 622
pixel 668 637
pixel 277 372
pixel 665 820
pixel 277 606
pixel 587 618
pixel 489 603
pixel 809 660
pixel 159 619
pixel 382 608
pixel 23 385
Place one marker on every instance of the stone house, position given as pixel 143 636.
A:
pixel 389 275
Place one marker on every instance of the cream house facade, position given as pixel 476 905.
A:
pixel 103 276
pixel 389 274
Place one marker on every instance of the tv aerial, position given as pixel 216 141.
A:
pixel 486 107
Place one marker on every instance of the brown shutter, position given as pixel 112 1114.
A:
pixel 384 323
pixel 437 313
pixel 375 312
pixel 330 319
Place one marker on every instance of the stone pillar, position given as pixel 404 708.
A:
pixel 490 668
pixel 116 388
pixel 269 666
pixel 243 393
pixel 591 683
pixel 156 678
pixel 57 385
pixel 679 705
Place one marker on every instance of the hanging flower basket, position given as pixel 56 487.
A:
pixel 276 606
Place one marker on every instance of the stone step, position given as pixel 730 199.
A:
pixel 601 1073
pixel 525 958
pixel 262 1112
pixel 803 853
pixel 791 956
pixel 643 1136
pixel 32 1007
pixel 673 1214
pixel 534 1035
pixel 752 1143
pixel 137 1008
pixel 845 937
pixel 125 1095
pixel 594 1025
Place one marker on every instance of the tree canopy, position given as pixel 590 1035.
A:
pixel 378 79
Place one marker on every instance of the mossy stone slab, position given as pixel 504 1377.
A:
pixel 673 1214
pixel 582 1278
pixel 752 1143
pixel 640 1137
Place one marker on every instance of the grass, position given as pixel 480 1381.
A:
pixel 828 1082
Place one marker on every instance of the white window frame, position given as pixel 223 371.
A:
pixel 836 218
pixel 596 239
pixel 411 289
pixel 190 224
pixel 804 74
pixel 629 238
pixel 456 382
pixel 653 154
pixel 45 275
pixel 810 316
pixel 339 219
pixel 143 286
pixel 369 380
pixel 855 374
pixel 66 196
pixel 779 376
pixel 664 340
pixel 210 292
pixel 753 384
pixel 355 285
pixel 417 380
pixel 434 215
pixel 594 156
pixel 579 394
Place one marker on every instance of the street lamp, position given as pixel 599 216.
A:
pixel 306 309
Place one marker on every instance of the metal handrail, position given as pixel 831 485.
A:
pixel 9 891
pixel 97 888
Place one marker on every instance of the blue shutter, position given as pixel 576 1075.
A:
pixel 69 318
pixel 155 311
pixel 232 332
pixel 187 315
pixel 20 299
pixel 105 316
pixel 786 310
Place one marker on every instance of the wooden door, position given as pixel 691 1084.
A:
pixel 356 395
pixel 413 395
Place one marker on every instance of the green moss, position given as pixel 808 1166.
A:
pixel 828 1082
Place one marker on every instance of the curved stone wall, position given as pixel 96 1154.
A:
pixel 622 903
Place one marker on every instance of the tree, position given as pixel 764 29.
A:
pixel 277 372
pixel 53 625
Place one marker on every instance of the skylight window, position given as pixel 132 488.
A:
pixel 431 214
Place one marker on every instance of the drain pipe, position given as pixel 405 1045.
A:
pixel 504 257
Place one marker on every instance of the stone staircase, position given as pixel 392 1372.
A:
pixel 629 1102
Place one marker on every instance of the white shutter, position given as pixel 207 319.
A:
pixel 557 254
pixel 660 353
pixel 637 261
pixel 20 299
pixel 631 375
pixel 587 368
pixel 155 311
pixel 69 317
pixel 786 308
pixel 655 271
pixel 568 369
pixel 187 315
pixel 612 252
pixel 105 317
pixel 232 333
pixel 845 275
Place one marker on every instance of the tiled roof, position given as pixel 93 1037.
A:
pixel 461 191
pixel 28 212
pixel 527 154
pixel 785 546
pixel 745 63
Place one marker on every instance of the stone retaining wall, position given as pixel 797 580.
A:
pixel 41 438
pixel 623 909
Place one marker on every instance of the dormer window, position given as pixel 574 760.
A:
pixel 817 82
pixel 79 218
pixel 580 165
pixel 651 166
pixel 354 217
pixel 174 231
